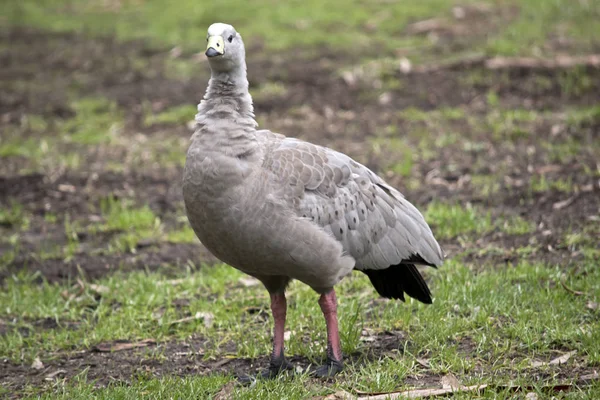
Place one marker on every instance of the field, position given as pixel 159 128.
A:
pixel 485 114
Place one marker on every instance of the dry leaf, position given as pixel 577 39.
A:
pixel 94 218
pixel 158 313
pixel 221 363
pixel 450 382
pixel 531 396
pixel 226 392
pixel 544 169
pixel 120 345
pixel 426 26
pixel 206 316
pixel 589 377
pixel 99 289
pixel 564 358
pixel 558 62
pixel 368 339
pixel 423 362
pixel 182 320
pixel 417 393
pixel 175 52
pixel 54 374
pixel 341 395
pixel 459 12
pixel 592 305
pixel 65 188
pixel 556 361
pixel 37 364
pixel 559 205
pixel 287 335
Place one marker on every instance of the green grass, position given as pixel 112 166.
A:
pixel 539 20
pixel 477 319
pixel 186 23
pixel 184 234
pixel 451 220
pixel 93 138
pixel 96 121
pixel 539 184
pixel 401 159
pixel 178 115
pixel 516 225
pixel 54 144
pixel 363 26
pixel 120 215
pixel 468 221
pixel 132 224
pixel 14 217
pixel 268 91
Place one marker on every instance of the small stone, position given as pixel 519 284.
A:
pixel 37 364
pixel 405 65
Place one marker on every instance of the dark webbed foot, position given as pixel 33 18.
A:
pixel 276 367
pixel 331 368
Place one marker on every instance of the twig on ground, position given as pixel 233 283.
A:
pixel 568 289
pixel 507 63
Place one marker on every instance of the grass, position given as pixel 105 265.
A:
pixel 133 224
pixel 468 221
pixel 539 184
pixel 453 220
pixel 130 224
pixel 54 144
pixel 14 217
pixel 93 138
pixel 363 26
pixel 183 235
pixel 476 319
pixel 573 19
pixel 178 115
pixel 96 121
pixel 186 24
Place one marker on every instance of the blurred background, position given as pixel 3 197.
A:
pixel 493 103
pixel 484 113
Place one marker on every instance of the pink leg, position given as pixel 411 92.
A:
pixel 279 310
pixel 328 303
pixel 278 362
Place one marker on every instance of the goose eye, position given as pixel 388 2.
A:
pixel 230 38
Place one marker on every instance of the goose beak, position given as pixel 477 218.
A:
pixel 215 46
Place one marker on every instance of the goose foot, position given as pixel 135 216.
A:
pixel 331 368
pixel 276 367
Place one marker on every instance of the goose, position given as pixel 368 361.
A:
pixel 279 208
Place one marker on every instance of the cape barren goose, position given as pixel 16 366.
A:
pixel 279 208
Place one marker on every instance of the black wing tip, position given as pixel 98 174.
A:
pixel 418 259
pixel 396 280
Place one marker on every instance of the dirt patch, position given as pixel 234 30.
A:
pixel 168 258
pixel 187 359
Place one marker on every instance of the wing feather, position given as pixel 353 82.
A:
pixel 374 222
